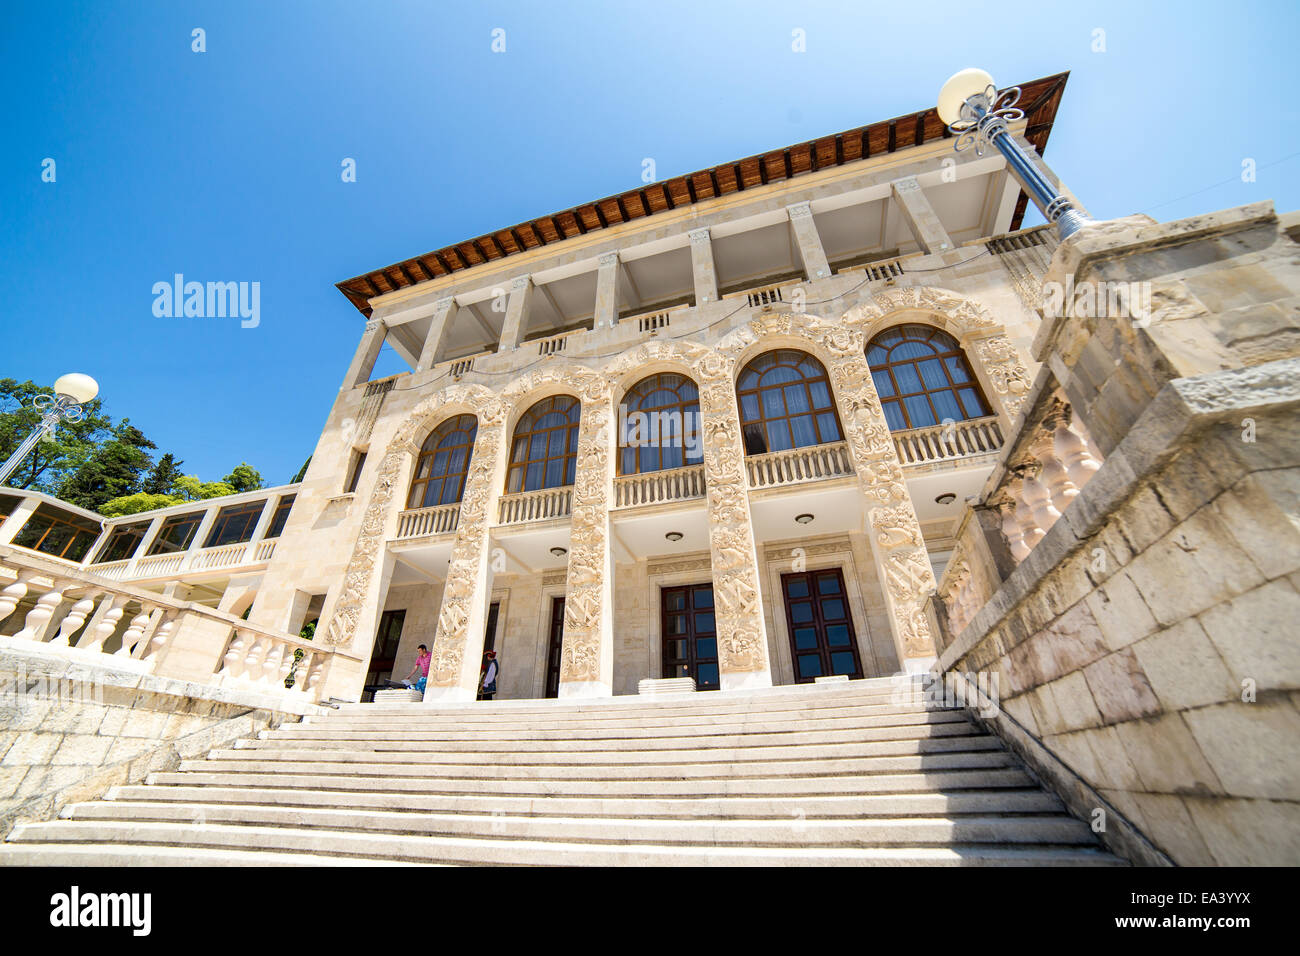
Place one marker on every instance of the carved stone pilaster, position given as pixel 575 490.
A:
pixel 743 659
pixel 586 656
pixel 453 672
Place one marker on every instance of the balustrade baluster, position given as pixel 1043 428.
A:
pixel 73 621
pixel 14 593
pixel 131 636
pixel 40 614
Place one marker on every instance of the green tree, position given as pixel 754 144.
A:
pixel 116 468
pixel 301 471
pixel 244 478
pixel 185 488
pixel 62 452
pixel 163 476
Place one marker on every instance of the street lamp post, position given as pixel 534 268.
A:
pixel 978 112
pixel 72 391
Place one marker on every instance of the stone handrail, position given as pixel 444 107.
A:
pixel 948 442
pixel 655 487
pixel 811 463
pixel 220 557
pixel 436 519
pixel 536 505
pixel 95 620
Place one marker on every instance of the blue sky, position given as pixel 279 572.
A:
pixel 225 165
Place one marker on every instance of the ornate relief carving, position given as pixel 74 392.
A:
pixel 957 313
pixel 1006 372
pixel 907 575
pixel 742 645
pixel 360 578
pixel 587 588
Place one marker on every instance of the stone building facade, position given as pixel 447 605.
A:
pixel 777 543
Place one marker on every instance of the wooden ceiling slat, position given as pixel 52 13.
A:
pixel 1040 100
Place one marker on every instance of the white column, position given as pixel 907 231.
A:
pixel 706 277
pixel 516 323
pixel 608 277
pixel 363 362
pixel 809 241
pixel 919 215
pixel 444 313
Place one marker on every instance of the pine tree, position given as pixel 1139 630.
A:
pixel 163 476
pixel 116 468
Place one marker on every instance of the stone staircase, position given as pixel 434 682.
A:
pixel 841 774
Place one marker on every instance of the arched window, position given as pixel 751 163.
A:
pixel 659 425
pixel 443 463
pixel 922 377
pixel 785 402
pixel 545 450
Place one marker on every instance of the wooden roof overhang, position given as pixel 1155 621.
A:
pixel 1039 99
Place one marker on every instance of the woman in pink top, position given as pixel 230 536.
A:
pixel 421 665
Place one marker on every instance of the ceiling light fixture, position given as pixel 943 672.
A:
pixel 674 536
pixel 559 552
pixel 946 498
pixel 803 518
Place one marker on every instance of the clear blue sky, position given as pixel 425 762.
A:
pixel 225 165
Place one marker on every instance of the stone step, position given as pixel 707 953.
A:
pixel 888 688
pixel 914 782
pixel 755 725
pixel 115 854
pixel 523 743
pixel 939 803
pixel 487 714
pixel 872 748
pixel 1057 829
pixel 519 852
pixel 673 771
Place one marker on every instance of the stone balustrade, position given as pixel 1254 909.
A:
pixel 554 344
pixel 657 487
pixel 1048 461
pixel 759 295
pixel 536 505
pixel 264 660
pixel 948 442
pixel 75 614
pixel 878 271
pixel 813 463
pixel 436 519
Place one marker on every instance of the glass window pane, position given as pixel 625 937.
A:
pixel 772 404
pixel 707 675
pixel 908 380
pixel 945 403
pixel 801 612
pixel 805 638
pixel 796 587
pixel 557 444
pixel 842 663
pixel 749 407
pixel 828 584
pixel 676 600
pixel 837 635
pixel 832 609
pixel 894 416
pixel 706 647
pixel 810 665
pixel 703 597
pixel 534 479
pixel 821 395
pixel 974 407
pixel 884 384
pixel 918 410
pixel 803 431
pixel 704 622
pixel 957 368
pixel 796 399
pixel 778 436
pixel 932 374
pixel 555 473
